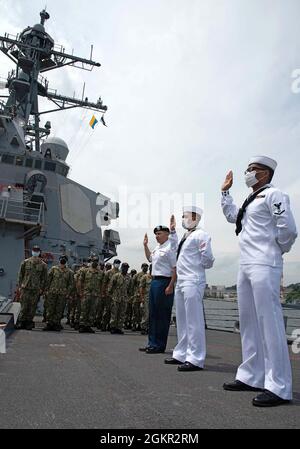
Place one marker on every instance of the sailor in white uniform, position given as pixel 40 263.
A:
pixel 266 230
pixel 194 255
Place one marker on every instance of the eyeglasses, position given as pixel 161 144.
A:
pixel 250 169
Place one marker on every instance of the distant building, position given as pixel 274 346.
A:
pixel 215 291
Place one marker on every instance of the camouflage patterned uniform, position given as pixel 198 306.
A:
pixel 32 281
pixel 145 285
pixel 71 303
pixel 91 280
pixel 128 313
pixel 76 310
pixel 100 307
pixel 118 289
pixel 107 298
pixel 59 287
pixel 136 302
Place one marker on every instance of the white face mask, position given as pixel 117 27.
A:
pixel 187 223
pixel 116 265
pixel 250 178
pixel 35 253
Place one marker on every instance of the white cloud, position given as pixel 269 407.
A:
pixel 193 89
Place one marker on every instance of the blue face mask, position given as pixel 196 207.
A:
pixel 35 253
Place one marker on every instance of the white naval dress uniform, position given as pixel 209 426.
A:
pixel 195 256
pixel 268 231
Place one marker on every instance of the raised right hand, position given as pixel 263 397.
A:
pixel 145 239
pixel 228 181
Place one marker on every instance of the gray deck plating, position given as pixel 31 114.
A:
pixel 72 380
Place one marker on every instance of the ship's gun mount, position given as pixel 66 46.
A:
pixel 111 239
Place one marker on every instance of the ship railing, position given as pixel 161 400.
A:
pixel 59 48
pixel 43 81
pixel 223 315
pixel 14 211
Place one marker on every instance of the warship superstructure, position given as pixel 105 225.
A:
pixel 39 204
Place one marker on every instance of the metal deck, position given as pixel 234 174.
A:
pixel 71 380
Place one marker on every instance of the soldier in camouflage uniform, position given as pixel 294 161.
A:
pixel 107 297
pixel 145 284
pixel 32 281
pixel 59 288
pixel 75 318
pixel 128 313
pixel 118 289
pixel 101 303
pixel 72 301
pixel 91 280
pixel 136 303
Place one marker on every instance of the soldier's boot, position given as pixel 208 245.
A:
pixel 68 321
pixel 29 325
pixel 72 323
pixel 21 325
pixel 113 330
pixel 119 331
pixel 86 329
pixel 76 326
pixel 97 324
pixel 49 327
pixel 57 327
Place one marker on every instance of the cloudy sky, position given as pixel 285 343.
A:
pixel 193 89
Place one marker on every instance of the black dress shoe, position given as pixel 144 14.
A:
pixel 188 366
pixel 173 361
pixel 144 348
pixel 268 399
pixel 154 351
pixel 237 385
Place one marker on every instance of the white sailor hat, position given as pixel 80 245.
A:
pixel 263 160
pixel 195 209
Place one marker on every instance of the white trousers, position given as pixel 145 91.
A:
pixel 191 346
pixel 266 362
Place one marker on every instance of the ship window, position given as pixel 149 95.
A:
pixel 50 166
pixel 28 162
pixel 38 163
pixel 19 160
pixel 8 159
pixel 62 170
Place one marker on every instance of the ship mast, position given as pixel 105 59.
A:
pixel 34 52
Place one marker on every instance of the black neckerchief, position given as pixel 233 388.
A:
pixel 183 240
pixel 244 207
